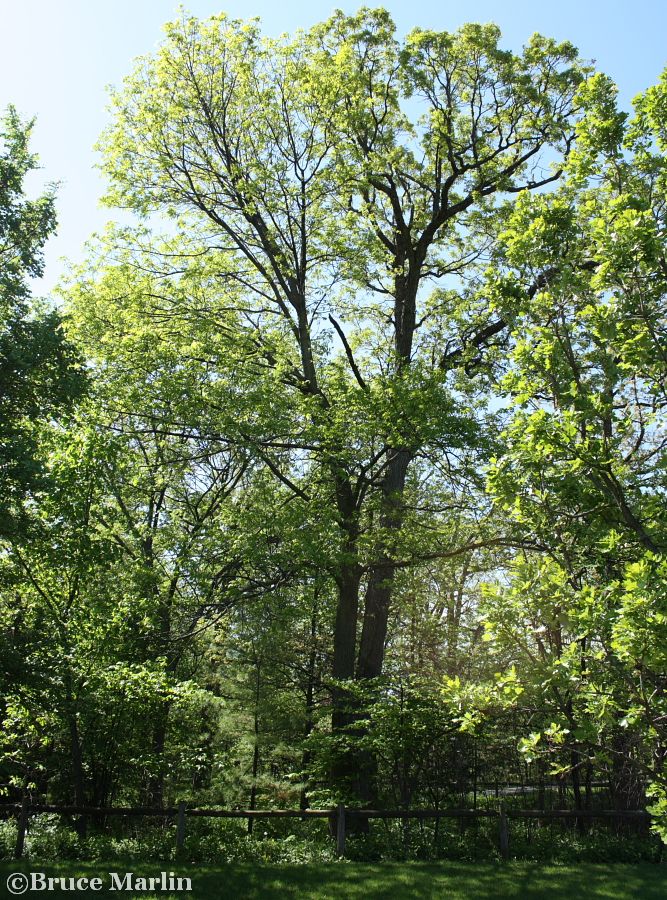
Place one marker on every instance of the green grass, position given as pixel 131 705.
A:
pixel 399 881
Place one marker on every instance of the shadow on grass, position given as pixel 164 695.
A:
pixel 377 881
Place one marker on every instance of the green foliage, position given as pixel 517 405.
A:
pixel 365 499
pixel 583 472
pixel 39 371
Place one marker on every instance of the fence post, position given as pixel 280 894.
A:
pixel 180 829
pixel 22 827
pixel 340 831
pixel 504 834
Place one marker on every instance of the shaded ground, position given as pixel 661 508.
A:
pixel 371 881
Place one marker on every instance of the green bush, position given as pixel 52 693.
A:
pixel 7 838
pixel 48 838
pixel 51 838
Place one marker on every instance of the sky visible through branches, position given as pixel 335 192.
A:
pixel 58 58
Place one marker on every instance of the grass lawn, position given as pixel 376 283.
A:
pixel 370 881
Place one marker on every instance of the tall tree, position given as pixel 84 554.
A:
pixel 325 210
pixel 583 471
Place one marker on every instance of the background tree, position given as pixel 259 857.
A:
pixel 584 468
pixel 38 369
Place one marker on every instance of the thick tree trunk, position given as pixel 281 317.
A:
pixel 344 767
pixel 360 768
pixel 377 607
pixel 377 601
pixel 381 579
pixel 348 578
pixel 345 640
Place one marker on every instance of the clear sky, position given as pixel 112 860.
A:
pixel 57 56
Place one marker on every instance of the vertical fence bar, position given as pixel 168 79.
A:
pixel 503 833
pixel 340 831
pixel 22 828
pixel 180 829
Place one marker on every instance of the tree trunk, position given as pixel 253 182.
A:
pixel 344 766
pixel 348 578
pixel 310 701
pixel 377 607
pixel 345 641
pixel 575 759
pixel 255 755
pixel 381 579
pixel 81 824
pixel 78 776
pixel 77 763
pixel 156 782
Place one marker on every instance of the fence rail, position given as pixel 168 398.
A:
pixel 338 816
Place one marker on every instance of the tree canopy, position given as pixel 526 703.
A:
pixel 367 488
pixel 38 372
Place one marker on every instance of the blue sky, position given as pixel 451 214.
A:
pixel 58 56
